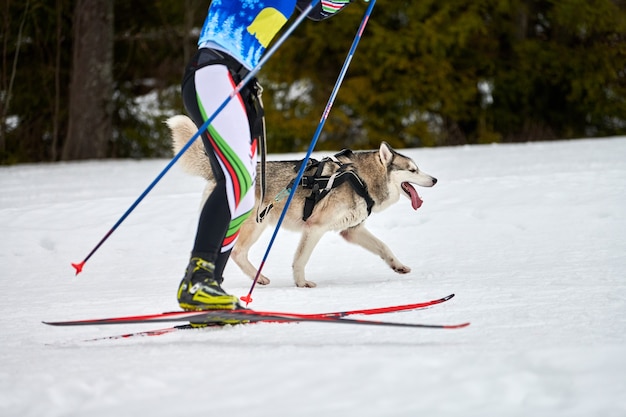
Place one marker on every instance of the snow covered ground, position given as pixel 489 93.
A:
pixel 530 237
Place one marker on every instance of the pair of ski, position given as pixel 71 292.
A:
pixel 255 316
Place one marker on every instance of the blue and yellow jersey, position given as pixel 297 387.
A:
pixel 244 28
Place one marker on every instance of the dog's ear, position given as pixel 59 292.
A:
pixel 386 153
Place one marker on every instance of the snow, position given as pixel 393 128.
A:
pixel 530 237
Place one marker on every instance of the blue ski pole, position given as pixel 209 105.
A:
pixel 248 298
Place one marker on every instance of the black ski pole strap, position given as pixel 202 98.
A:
pixel 258 127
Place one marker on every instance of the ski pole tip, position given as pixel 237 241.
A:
pixel 246 299
pixel 78 267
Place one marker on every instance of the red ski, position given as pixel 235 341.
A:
pixel 254 316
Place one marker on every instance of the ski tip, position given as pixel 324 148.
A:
pixel 456 326
pixel 78 267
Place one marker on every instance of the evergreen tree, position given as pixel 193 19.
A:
pixel 426 73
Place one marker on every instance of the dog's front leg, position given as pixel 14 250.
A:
pixel 248 234
pixel 310 237
pixel 361 236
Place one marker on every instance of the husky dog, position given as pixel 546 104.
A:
pixel 384 174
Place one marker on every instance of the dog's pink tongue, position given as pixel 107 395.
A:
pixel 416 201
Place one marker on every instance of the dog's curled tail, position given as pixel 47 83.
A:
pixel 194 161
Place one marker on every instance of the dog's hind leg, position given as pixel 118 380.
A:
pixel 248 234
pixel 310 237
pixel 361 236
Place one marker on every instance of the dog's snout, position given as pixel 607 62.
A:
pixel 434 180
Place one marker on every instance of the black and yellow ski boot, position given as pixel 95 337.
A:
pixel 200 290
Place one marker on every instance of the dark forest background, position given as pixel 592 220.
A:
pixel 96 78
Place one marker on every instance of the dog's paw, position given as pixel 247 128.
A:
pixel 401 269
pixel 263 280
pixel 306 284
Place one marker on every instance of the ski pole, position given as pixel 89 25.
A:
pixel 248 298
pixel 79 266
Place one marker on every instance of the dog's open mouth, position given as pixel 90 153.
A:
pixel 416 201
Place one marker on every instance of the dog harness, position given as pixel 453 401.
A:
pixel 320 185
